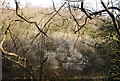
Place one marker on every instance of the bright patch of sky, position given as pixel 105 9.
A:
pixel 48 3
pixel 41 3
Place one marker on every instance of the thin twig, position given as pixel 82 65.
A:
pixel 82 25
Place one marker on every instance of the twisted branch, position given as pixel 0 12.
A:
pixel 1 45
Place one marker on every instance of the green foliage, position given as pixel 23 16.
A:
pixel 91 31
pixel 114 68
pixel 110 46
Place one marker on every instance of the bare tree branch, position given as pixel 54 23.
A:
pixel 30 22
pixel 113 19
pixel 82 25
pixel 1 45
pixel 53 15
pixel 95 13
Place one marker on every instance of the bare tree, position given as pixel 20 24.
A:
pixel 32 42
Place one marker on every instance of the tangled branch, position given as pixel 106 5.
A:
pixel 114 20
